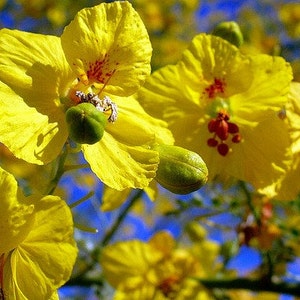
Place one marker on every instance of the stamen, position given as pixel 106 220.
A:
pixel 104 105
pixel 221 129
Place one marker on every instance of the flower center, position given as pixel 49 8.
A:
pixel 169 286
pixel 104 105
pixel 216 88
pixel 101 70
pixel 222 129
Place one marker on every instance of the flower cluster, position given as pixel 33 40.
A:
pixel 153 270
pixel 98 62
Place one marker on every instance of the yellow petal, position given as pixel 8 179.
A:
pixel 120 165
pixel 16 213
pixel 34 75
pixel 293 115
pixel 163 241
pixel 130 268
pixel 147 291
pixel 123 158
pixel 285 189
pixel 112 198
pixel 108 45
pixel 261 158
pixel 46 256
pixel 28 134
pixel 34 66
pixel 164 98
pixel 268 91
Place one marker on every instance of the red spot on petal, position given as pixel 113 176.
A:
pixel 101 70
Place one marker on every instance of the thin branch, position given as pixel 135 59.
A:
pixel 258 285
pixel 111 232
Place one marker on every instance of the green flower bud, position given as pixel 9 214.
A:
pixel 180 171
pixel 229 31
pixel 85 123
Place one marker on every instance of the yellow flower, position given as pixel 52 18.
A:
pixel 289 13
pixel 223 105
pixel 153 270
pixel 102 57
pixel 36 235
pixel 246 295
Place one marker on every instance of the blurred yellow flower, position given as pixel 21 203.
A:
pixel 223 105
pixel 289 13
pixel 36 235
pixel 246 295
pixel 171 25
pixel 152 270
pixel 97 58
pixel 2 3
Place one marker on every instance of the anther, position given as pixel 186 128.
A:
pixel 221 129
pixel 103 105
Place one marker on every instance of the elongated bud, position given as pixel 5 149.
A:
pixel 229 31
pixel 85 123
pixel 180 171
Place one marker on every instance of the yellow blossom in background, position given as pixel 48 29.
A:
pixel 224 105
pixel 257 40
pixel 152 270
pixel 57 15
pixel 112 199
pixel 36 8
pixel 168 33
pixel 246 295
pixel 205 250
pixel 36 235
pixel 292 224
pixel 289 14
pixel 35 178
pixel 2 3
pixel 41 76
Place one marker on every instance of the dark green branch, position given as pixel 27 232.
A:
pixel 109 234
pixel 239 283
pixel 253 285
pixel 79 279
